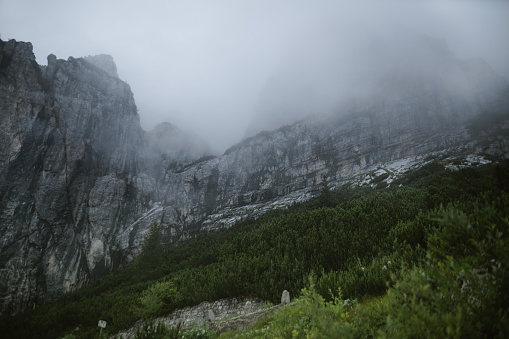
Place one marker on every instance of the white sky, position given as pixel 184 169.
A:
pixel 202 65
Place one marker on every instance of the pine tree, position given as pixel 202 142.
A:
pixel 326 197
pixel 151 257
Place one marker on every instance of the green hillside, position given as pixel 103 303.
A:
pixel 427 256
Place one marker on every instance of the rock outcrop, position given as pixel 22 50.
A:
pixel 69 139
pixel 71 178
pixel 81 182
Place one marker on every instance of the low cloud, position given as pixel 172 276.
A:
pixel 214 67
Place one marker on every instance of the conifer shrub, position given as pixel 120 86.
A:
pixel 159 330
pixel 458 289
pixel 155 300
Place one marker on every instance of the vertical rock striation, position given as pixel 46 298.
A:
pixel 68 166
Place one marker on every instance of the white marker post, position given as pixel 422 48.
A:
pixel 102 324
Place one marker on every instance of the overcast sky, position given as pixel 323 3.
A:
pixel 203 65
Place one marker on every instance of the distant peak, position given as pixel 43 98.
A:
pixel 164 124
pixel 104 62
pixel 164 127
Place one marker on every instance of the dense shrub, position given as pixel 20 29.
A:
pixel 458 290
pixel 156 299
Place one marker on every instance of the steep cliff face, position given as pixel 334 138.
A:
pixel 69 139
pixel 81 182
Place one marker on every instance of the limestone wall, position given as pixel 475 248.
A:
pixel 221 310
pixel 206 312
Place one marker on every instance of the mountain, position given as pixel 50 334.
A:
pixel 71 172
pixel 81 182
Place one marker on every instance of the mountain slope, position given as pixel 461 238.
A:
pixel 81 182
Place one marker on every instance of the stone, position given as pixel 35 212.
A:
pixel 285 297
pixel 209 316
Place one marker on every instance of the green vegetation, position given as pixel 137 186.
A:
pixel 409 261
pixel 155 331
pixel 458 290
pixel 155 299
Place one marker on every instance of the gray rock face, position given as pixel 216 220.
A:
pixel 401 121
pixel 81 182
pixel 68 169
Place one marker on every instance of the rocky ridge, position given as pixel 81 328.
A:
pixel 81 182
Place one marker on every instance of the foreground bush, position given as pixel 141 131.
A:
pixel 459 290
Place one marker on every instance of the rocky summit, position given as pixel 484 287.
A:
pixel 81 182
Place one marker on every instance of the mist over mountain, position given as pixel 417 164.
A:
pixel 331 79
pixel 213 68
pixel 82 182
pixel 172 143
pixel 104 62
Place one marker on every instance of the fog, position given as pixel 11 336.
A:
pixel 221 68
